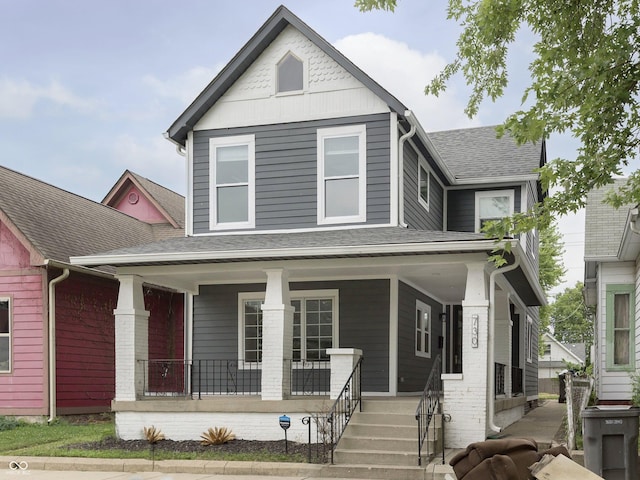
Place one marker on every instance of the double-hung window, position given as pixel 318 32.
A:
pixel 424 179
pixel 5 335
pixel 423 329
pixel 232 182
pixel 493 205
pixel 314 325
pixel 342 174
pixel 620 339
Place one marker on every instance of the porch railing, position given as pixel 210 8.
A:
pixel 198 378
pixel 429 404
pixel 500 373
pixel 348 400
pixel 516 381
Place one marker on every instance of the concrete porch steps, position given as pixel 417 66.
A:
pixel 381 442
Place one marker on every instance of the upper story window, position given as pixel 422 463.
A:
pixel 342 174
pixel 232 176
pixel 423 329
pixel 547 349
pixel 424 179
pixel 5 335
pixel 620 335
pixel 290 74
pixel 493 205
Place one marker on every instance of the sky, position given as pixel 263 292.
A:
pixel 88 87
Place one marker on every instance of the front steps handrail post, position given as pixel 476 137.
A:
pixel 349 398
pixel 429 403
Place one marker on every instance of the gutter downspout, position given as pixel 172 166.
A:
pixel 52 342
pixel 408 114
pixel 492 354
pixel 632 222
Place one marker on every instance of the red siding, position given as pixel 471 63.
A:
pixel 85 337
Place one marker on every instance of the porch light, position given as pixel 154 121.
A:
pixel 443 317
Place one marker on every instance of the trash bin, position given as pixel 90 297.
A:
pixel 610 439
pixel 562 387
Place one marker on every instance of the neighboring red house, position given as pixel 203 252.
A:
pixel 57 332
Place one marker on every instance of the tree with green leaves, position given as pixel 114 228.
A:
pixel 570 318
pixel 551 268
pixel 585 80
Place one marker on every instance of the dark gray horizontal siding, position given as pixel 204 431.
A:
pixel 461 208
pixel 413 371
pixel 286 172
pixel 415 215
pixel 531 368
pixel 363 323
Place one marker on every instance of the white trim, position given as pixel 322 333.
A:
pixel 394 288
pixel 215 142
pixel 393 168
pixel 426 325
pixel 524 191
pixel 305 76
pixel 496 180
pixel 491 194
pixel 188 227
pixel 322 134
pixel 334 294
pixel 324 228
pixel 423 165
pixel 529 340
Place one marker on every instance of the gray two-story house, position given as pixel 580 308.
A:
pixel 323 224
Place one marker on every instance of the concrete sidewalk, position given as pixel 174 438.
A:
pixel 541 424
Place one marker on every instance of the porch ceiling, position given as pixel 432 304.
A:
pixel 443 276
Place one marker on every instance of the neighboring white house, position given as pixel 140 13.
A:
pixel 612 281
pixel 554 360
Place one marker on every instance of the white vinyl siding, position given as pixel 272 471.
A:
pixel 342 172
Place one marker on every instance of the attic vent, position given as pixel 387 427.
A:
pixel 133 198
pixel 290 74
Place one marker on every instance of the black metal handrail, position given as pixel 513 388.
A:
pixel 349 398
pixel 500 370
pixel 429 403
pixel 516 381
pixel 310 377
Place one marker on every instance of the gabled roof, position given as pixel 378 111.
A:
pixel 474 154
pixel 59 224
pixel 575 351
pixel 169 203
pixel 280 19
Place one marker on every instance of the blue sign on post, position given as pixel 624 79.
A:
pixel 285 423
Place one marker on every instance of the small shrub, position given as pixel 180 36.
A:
pixel 153 434
pixel 9 423
pixel 217 436
pixel 635 388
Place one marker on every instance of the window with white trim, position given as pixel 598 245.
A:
pixel 424 180
pixel 5 335
pixel 493 205
pixel 290 74
pixel 232 182
pixel 314 325
pixel 342 172
pixel 423 329
pixel 529 339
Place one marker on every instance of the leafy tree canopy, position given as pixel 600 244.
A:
pixel 585 80
pixel 571 319
pixel 551 268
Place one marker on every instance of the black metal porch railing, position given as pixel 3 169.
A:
pixel 429 404
pixel 310 378
pixel 348 400
pixel 500 373
pixel 200 378
pixel 318 450
pixel 516 381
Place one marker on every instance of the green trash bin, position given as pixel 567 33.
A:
pixel 610 441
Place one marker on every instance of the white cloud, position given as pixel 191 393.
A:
pixel 185 86
pixel 404 72
pixel 19 98
pixel 155 158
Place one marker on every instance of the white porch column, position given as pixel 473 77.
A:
pixel 132 338
pixel 277 337
pixel 343 361
pixel 465 394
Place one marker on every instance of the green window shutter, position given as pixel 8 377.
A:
pixel 620 318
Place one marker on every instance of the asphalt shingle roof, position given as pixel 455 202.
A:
pixel 170 201
pixel 604 225
pixel 60 224
pixel 477 153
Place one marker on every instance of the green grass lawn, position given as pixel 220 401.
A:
pixel 56 439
